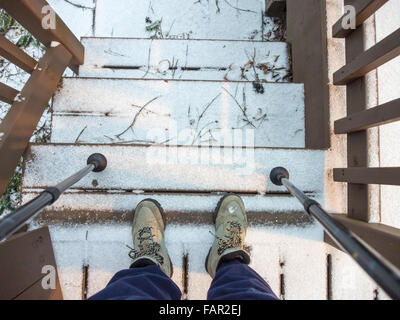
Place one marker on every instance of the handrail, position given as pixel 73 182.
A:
pixel 383 114
pixel 15 55
pixel 384 51
pixel 21 120
pixel 378 268
pixel 360 175
pixel 7 93
pixel 63 50
pixel 96 163
pixel 29 14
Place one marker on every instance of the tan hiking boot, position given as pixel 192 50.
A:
pixel 230 231
pixel 148 236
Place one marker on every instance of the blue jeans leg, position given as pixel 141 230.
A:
pixel 237 281
pixel 146 283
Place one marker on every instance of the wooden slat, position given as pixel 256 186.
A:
pixel 379 54
pixel 16 56
pixel 364 9
pixel 24 115
pixel 7 94
pixel 384 239
pixel 387 176
pixel 383 114
pixel 29 14
pixel 357 154
pixel 306 31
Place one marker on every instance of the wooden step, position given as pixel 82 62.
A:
pixel 241 19
pixel 174 169
pixel 186 59
pixel 293 260
pixel 289 257
pixel 178 112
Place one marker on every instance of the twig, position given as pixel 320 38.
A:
pixel 208 105
pixel 78 5
pixel 77 139
pixel 241 107
pixel 136 117
pixel 148 60
pixel 245 10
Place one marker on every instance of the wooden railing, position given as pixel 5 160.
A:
pixel 63 50
pixel 358 175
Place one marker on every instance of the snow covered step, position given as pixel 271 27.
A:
pixel 186 59
pixel 178 112
pixel 174 169
pixel 239 19
pixel 287 257
pixel 96 207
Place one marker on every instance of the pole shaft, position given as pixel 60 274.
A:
pixel 382 271
pixel 29 211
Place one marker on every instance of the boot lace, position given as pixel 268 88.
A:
pixel 231 239
pixel 147 246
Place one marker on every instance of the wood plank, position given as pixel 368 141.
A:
pixel 24 115
pixel 383 114
pixel 175 169
pixel 306 32
pixel 15 55
pixel 186 59
pixel 22 260
pixel 384 239
pixel 29 14
pixel 387 176
pixel 7 94
pixel 178 113
pixel 379 54
pixel 364 9
pixel 357 154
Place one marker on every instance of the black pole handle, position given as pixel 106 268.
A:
pixel 377 267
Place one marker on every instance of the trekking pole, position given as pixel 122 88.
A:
pixel 378 268
pixel 96 163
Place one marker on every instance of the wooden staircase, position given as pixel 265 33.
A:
pixel 184 121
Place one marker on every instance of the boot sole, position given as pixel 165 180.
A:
pixel 164 218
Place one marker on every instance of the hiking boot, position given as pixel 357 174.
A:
pixel 148 237
pixel 230 231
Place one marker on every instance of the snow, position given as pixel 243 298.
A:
pixel 192 112
pixel 176 59
pixel 103 248
pixel 174 168
pixel 349 281
pixel 194 19
pixel 388 82
pixel 82 11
